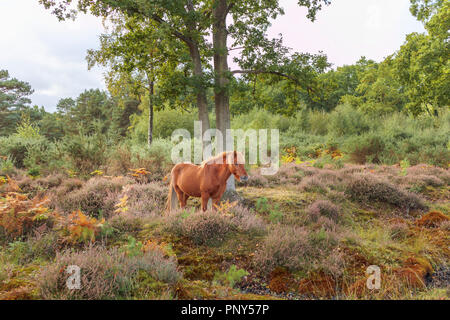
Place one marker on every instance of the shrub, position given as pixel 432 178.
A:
pixel 323 208
pixel 86 152
pixel 125 223
pixel 207 228
pixel 284 246
pixel 157 158
pixel 231 277
pixel 17 147
pixel 312 184
pixel 6 165
pixel 105 273
pixel 246 220
pixel 96 197
pixel 366 188
pixel 363 149
pixel 34 186
pixel 145 199
pixel 40 246
pixel 347 121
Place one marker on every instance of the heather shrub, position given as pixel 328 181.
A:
pixel 327 224
pixel 257 180
pixel 125 223
pixel 207 228
pixel 33 186
pixel 105 273
pixel 284 246
pixel 246 220
pixel 367 188
pixel 97 197
pixel 423 169
pixel 313 184
pixel 59 194
pixel 419 182
pixel 323 208
pixel 323 240
pixel 145 199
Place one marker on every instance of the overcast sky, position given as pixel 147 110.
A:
pixel 50 55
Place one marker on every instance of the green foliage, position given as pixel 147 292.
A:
pixel 404 164
pixel 13 100
pixel 262 205
pixel 6 165
pixel 133 248
pixel 231 277
pixel 166 121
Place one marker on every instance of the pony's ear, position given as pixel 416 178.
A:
pixel 224 158
pixel 235 157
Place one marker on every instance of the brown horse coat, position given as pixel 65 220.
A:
pixel 207 181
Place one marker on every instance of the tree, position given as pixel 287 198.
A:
pixel 194 22
pixel 134 51
pixel 422 64
pixel 423 10
pixel 13 101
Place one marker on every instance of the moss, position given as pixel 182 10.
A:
pixel 432 219
pixel 280 281
pixel 318 285
pixel 198 266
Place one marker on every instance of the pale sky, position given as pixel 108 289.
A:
pixel 50 55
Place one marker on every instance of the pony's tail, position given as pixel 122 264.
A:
pixel 171 197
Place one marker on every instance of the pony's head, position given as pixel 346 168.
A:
pixel 235 162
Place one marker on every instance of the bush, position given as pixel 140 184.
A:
pixel 207 228
pixel 157 158
pixel 17 147
pixel 366 188
pixel 363 149
pixel 6 166
pixel 246 220
pixel 105 273
pixel 85 152
pixel 145 199
pixel 323 208
pixel 166 121
pixel 97 197
pixel 40 246
pixel 347 121
pixel 285 246
pixel 34 186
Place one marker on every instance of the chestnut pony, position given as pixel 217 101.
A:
pixel 206 181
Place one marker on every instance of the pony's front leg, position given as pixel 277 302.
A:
pixel 205 199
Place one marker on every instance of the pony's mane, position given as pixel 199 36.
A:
pixel 218 159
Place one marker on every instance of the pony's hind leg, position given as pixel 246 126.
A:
pixel 182 197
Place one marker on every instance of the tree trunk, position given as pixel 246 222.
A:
pixel 221 98
pixel 202 103
pixel 150 112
